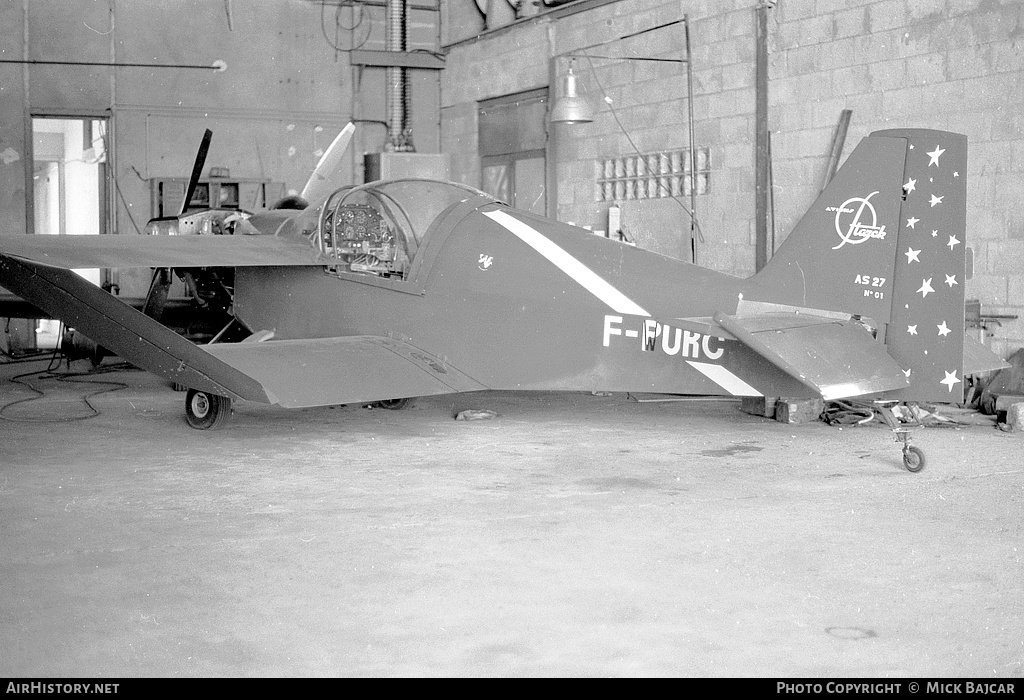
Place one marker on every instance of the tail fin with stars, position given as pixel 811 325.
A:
pixel 885 241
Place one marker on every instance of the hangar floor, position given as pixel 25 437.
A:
pixel 574 535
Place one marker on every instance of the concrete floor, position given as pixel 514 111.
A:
pixel 574 535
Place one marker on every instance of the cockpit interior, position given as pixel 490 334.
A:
pixel 377 228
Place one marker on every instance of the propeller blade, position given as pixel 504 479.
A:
pixel 318 183
pixel 197 170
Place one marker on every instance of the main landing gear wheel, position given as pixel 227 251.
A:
pixel 392 404
pixel 205 411
pixel 913 459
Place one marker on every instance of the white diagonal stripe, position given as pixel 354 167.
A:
pixel 725 379
pixel 565 262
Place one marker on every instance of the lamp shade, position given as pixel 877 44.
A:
pixel 570 108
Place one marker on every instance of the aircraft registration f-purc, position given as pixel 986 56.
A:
pixel 412 287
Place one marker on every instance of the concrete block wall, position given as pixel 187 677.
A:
pixel 506 63
pixel 647 98
pixel 947 64
pixel 956 65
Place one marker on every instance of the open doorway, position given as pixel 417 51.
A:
pixel 69 174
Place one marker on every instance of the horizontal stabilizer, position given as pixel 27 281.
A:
pixel 978 358
pixel 353 369
pixel 835 358
pixel 76 252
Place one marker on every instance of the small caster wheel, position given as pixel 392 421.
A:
pixel 913 459
pixel 205 411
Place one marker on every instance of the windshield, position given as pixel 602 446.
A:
pixel 413 203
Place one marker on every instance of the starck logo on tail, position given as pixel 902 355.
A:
pixel 856 230
pixel 846 237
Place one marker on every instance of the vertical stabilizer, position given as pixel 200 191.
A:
pixel 841 254
pixel 926 332
pixel 887 240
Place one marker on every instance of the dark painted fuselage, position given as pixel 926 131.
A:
pixel 490 304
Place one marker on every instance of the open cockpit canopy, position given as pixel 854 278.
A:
pixel 377 228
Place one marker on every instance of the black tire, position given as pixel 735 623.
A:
pixel 392 404
pixel 913 459
pixel 205 411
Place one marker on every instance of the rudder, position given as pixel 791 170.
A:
pixel 926 332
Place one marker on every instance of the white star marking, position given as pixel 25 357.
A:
pixel 943 329
pixel 912 255
pixel 926 287
pixel 912 330
pixel 911 221
pixel 907 373
pixel 935 233
pixel 950 380
pixel 935 200
pixel 935 156
pixel 951 280
pixel 909 187
pixel 953 240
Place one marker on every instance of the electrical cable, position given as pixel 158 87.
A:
pixel 636 149
pixel 337 15
pixel 117 186
pixel 71 377
pixel 338 25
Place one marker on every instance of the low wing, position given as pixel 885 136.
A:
pixel 292 373
pixel 835 357
pixel 127 332
pixel 76 252
pixel 327 371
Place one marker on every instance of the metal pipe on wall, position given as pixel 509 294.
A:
pixel 27 156
pixel 551 144
pixel 694 227
pixel 761 163
pixel 398 87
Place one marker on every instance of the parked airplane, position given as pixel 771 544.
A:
pixel 414 287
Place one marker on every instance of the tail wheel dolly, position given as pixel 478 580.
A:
pixel 913 457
